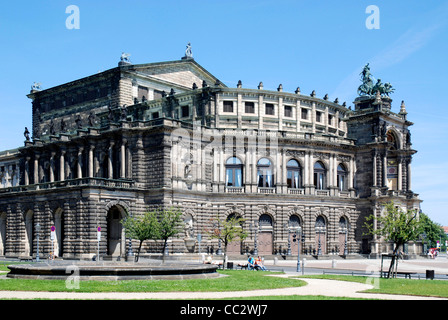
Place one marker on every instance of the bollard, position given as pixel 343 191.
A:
pixel 275 261
pixel 333 263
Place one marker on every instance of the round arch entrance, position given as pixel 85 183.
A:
pixel 115 231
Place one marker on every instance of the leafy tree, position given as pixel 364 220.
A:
pixel 141 228
pixel 153 225
pixel 168 225
pixel 433 231
pixel 227 230
pixel 396 225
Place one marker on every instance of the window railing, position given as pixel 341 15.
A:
pixel 100 182
pixel 324 193
pixel 235 189
pixel 296 191
pixel 266 190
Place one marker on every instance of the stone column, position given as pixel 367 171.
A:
pixel 400 174
pixel 36 169
pixel 409 174
pixel 80 150
pixel 91 161
pixel 374 168
pixel 123 159
pixel 27 171
pixel 52 166
pixel 384 170
pixel 110 164
pixel 62 166
pixel 260 111
pixel 351 173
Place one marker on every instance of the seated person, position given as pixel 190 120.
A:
pixel 250 263
pixel 259 264
pixel 209 259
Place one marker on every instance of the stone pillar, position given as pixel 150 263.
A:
pixel 374 168
pixel 123 159
pixel 400 174
pixel 351 173
pixel 36 169
pixel 409 174
pixel 52 166
pixel 80 150
pixel 27 171
pixel 110 164
pixel 260 111
pixel 384 170
pixel 91 162
pixel 62 166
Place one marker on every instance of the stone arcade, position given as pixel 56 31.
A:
pixel 171 134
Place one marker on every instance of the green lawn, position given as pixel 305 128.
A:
pixel 432 288
pixel 235 280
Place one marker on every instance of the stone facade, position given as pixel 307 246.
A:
pixel 170 134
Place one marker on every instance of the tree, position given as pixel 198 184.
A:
pixel 433 231
pixel 141 228
pixel 227 230
pixel 168 225
pixel 396 225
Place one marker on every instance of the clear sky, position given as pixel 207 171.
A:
pixel 316 45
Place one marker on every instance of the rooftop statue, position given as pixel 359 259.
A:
pixel 369 87
pixel 36 86
pixel 125 57
pixel 188 52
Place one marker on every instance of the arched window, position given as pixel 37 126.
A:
pixel 392 161
pixel 320 176
pixel 265 175
pixel 294 174
pixel 294 222
pixel 265 220
pixel 342 178
pixel 234 172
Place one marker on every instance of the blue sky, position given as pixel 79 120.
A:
pixel 317 45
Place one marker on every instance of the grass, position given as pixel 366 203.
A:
pixel 234 281
pixel 430 288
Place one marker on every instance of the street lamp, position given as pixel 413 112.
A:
pixel 287 225
pixel 299 236
pixel 38 229
pixel 254 227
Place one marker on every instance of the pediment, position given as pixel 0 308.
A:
pixel 181 72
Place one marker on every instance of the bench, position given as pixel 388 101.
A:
pixel 406 274
pixel 242 266
pixel 25 258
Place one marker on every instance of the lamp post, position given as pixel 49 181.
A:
pixel 130 253
pixel 345 243
pixel 299 236
pixel 289 238
pixel 254 227
pixel 38 228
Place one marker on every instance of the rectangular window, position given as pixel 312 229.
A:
pixel 304 114
pixel 185 111
pixel 318 116
pixel 228 106
pixel 269 109
pixel 158 94
pixel 288 111
pixel 155 115
pixel 330 120
pixel 249 107
pixel 142 93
